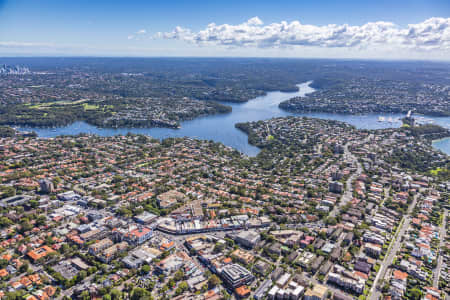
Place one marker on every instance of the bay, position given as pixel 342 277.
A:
pixel 443 145
pixel 220 127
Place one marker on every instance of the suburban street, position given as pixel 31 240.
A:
pixel 348 194
pixel 442 234
pixel 374 292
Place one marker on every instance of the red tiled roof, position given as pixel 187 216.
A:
pixel 400 275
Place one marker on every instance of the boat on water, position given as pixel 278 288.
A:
pixel 381 119
pixel 423 120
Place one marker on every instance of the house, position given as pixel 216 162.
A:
pixel 3 273
pixel 398 284
pixel 318 292
pixel 109 253
pixel 348 238
pixel 373 250
pixel 40 252
pixel 275 248
pixel 170 198
pixel 307 240
pixel 138 235
pixel 243 256
pixel 288 237
pixel 362 266
pixel 276 274
pixel 261 267
pixel 93 234
pixel 196 283
pixel 172 263
pixel 242 291
pixel 281 282
pixel 335 254
pixel 349 281
pixel 305 259
pixel 432 293
pixel 291 257
pixel 316 264
pixel 325 268
pixel 341 296
pixel 50 290
pixel 373 238
pixel 101 245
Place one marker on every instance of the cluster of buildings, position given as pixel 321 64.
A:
pixel 14 70
pixel 174 226
pixel 419 259
pixel 368 95
pixel 194 219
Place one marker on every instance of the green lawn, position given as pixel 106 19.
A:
pixel 87 106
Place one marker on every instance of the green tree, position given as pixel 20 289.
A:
pixel 85 295
pixel 116 295
pixel 41 220
pixel 145 269
pixel 23 268
pixel 415 294
pixel 5 222
pixel 179 275
pixel 213 281
pixel 140 294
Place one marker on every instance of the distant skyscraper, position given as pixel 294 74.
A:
pixel 46 186
pixel 14 70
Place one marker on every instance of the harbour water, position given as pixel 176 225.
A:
pixel 221 128
pixel 443 145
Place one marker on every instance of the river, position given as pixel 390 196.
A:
pixel 221 128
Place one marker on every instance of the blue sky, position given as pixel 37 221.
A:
pixel 301 28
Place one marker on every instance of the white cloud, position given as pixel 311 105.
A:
pixel 13 44
pixel 432 34
pixel 138 35
pixel 429 40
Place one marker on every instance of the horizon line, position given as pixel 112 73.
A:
pixel 231 57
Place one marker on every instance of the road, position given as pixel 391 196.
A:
pixel 389 258
pixel 348 194
pixel 442 233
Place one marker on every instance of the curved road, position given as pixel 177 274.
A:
pixel 348 194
